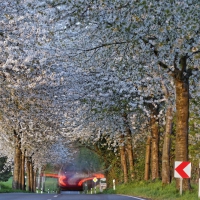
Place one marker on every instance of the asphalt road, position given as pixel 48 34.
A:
pixel 24 196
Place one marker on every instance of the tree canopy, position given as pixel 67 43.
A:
pixel 82 70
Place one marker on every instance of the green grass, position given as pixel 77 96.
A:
pixel 50 183
pixel 6 187
pixel 155 191
pixel 7 183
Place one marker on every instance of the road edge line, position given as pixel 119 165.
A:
pixel 131 196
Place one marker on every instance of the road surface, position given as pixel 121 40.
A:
pixel 26 196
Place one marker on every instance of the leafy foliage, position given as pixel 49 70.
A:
pixel 5 173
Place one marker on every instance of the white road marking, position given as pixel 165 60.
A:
pixel 56 196
pixel 132 197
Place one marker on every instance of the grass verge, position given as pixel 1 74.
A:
pixel 50 186
pixel 155 191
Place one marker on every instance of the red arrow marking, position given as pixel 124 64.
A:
pixel 180 169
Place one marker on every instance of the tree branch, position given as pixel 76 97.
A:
pixel 103 45
pixel 163 65
pixel 195 52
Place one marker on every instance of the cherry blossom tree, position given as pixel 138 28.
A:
pixel 74 68
pixel 154 34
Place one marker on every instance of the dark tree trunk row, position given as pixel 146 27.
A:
pixel 181 144
pixel 31 175
pixel 152 146
pixel 126 152
pixel 19 169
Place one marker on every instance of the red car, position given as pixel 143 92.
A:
pixel 70 179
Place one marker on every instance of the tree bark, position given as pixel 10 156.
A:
pixel 155 143
pixel 39 178
pixel 147 159
pixel 129 147
pixel 20 171
pixel 123 160
pixel 34 180
pixel 31 177
pixel 23 172
pixel 166 148
pixel 182 117
pixel 17 163
pixel 28 174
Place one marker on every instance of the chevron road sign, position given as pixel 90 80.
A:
pixel 182 169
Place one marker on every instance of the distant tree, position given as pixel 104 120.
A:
pixel 5 173
pixel 89 160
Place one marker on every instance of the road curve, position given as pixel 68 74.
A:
pixel 26 196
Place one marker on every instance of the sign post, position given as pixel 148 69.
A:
pixel 181 186
pixel 95 180
pixel 182 170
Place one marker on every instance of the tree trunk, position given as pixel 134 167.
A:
pixel 182 117
pixel 17 163
pixel 166 147
pixel 39 180
pixel 16 171
pixel 129 147
pixel 23 172
pixel 20 172
pixel 34 180
pixel 28 174
pixel 123 160
pixel 43 180
pixel 147 158
pixel 155 143
pixel 31 176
